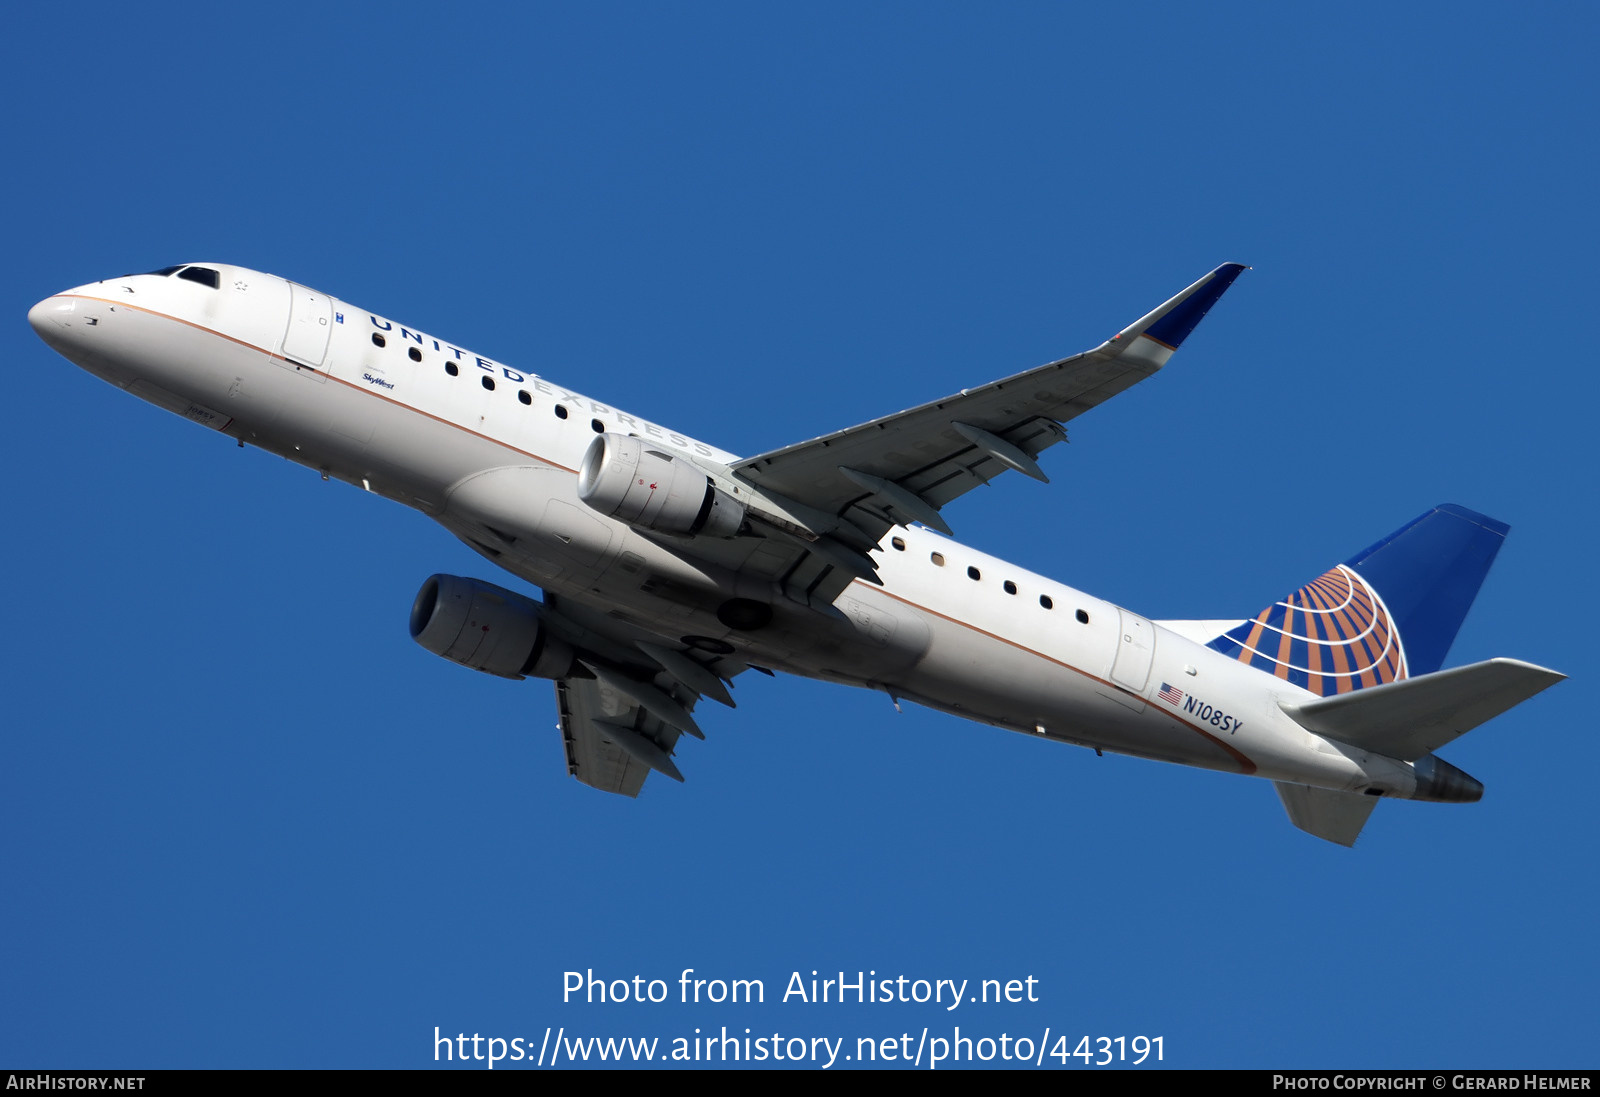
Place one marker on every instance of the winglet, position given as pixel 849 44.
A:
pixel 1171 324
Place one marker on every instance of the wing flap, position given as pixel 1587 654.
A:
pixel 590 713
pixel 626 719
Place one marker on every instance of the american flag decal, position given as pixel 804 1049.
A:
pixel 1170 694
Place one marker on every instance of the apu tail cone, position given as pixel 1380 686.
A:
pixel 1438 780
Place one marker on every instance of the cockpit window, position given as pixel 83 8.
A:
pixel 168 272
pixel 204 275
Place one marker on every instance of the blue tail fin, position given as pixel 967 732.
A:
pixel 1386 613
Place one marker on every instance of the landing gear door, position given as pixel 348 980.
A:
pixel 1136 643
pixel 305 344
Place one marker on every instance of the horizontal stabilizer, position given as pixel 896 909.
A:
pixel 1334 816
pixel 1414 717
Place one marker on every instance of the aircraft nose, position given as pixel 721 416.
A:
pixel 39 315
pixel 48 315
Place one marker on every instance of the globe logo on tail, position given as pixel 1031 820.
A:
pixel 1331 636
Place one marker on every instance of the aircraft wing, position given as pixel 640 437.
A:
pixel 845 490
pixel 610 739
pixel 635 697
pixel 905 467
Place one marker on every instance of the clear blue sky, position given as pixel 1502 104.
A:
pixel 244 820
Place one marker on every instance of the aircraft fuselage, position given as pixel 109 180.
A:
pixel 491 451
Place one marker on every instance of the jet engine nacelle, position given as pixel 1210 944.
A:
pixel 487 628
pixel 622 479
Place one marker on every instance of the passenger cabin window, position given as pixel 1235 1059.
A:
pixel 1083 617
pixel 378 340
pixel 416 355
pixel 522 394
pixel 561 412
pixel 900 545
pixel 1044 600
pixel 597 426
pixel 488 382
pixel 204 275
pixel 1011 588
pixel 451 368
pixel 937 558
pixel 972 573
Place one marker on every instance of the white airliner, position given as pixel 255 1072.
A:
pixel 670 566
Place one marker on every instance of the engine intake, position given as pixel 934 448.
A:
pixel 652 490
pixel 487 628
